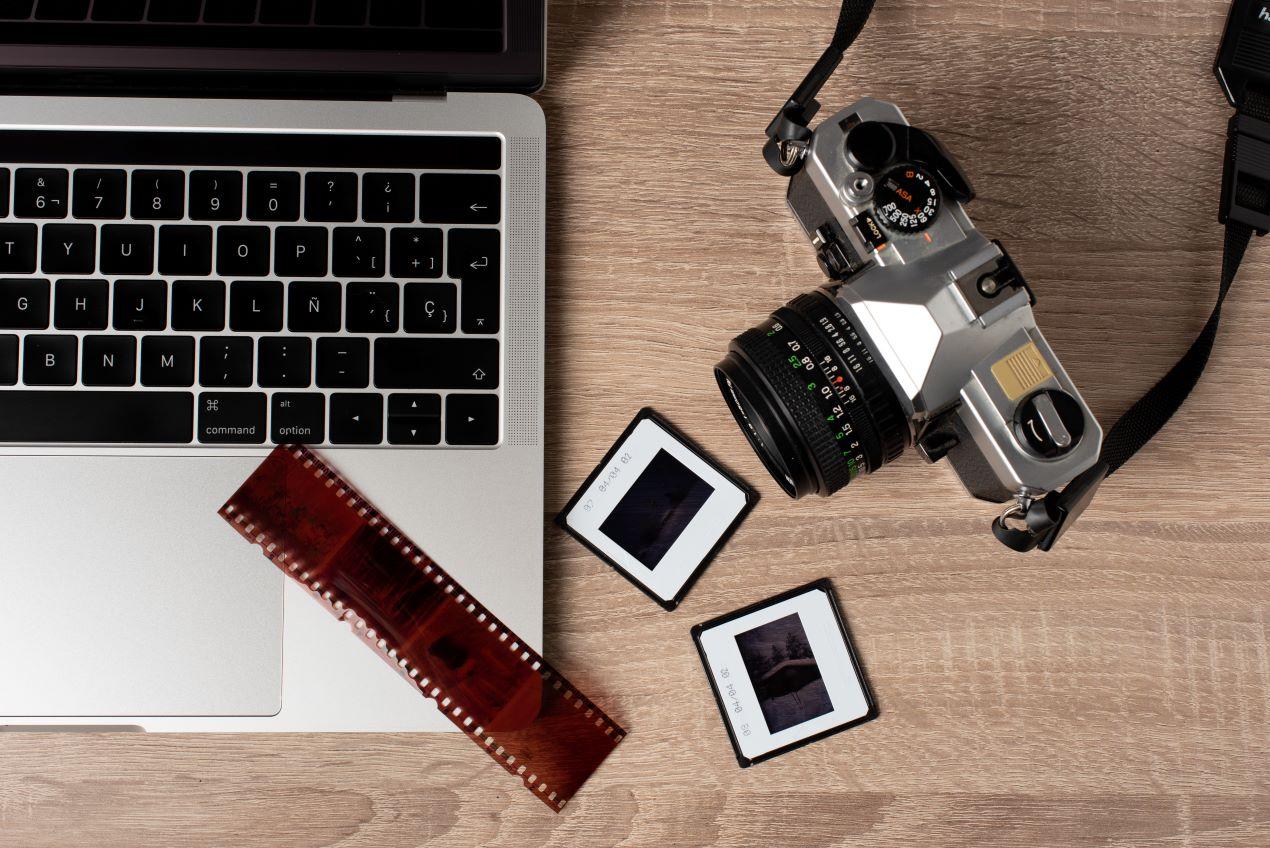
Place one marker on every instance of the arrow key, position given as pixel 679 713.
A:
pixel 471 420
pixel 414 406
pixel 357 419
pixel 414 419
pixel 461 199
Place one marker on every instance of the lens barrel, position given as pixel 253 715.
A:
pixel 811 399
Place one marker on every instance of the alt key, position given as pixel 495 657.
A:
pixel 298 418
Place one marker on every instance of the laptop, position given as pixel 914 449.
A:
pixel 231 224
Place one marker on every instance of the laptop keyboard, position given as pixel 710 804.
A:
pixel 411 25
pixel 163 288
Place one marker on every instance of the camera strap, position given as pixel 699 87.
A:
pixel 789 132
pixel 1245 212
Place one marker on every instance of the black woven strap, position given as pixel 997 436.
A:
pixel 790 126
pixel 851 21
pixel 1154 409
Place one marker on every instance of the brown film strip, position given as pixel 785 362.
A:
pixel 320 531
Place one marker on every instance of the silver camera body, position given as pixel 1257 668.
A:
pixel 945 312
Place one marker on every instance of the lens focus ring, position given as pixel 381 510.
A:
pixel 832 469
pixel 889 422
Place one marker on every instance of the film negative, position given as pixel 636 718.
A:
pixel 321 532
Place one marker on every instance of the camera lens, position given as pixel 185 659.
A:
pixel 811 399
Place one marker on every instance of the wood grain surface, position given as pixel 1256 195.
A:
pixel 1114 693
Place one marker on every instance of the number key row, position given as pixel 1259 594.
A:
pixel 273 196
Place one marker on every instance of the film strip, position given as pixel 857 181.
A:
pixel 320 531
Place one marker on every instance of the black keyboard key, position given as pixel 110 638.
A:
pixel 97 417
pixel 255 306
pixel 357 419
pixel 141 305
pixel 373 307
pixel 431 308
pixel 359 252
pixel 341 12
pixel 16 9
pixel 167 361
pixel 24 304
pixel 298 419
pixel 301 251
pixel 229 12
pixel 461 199
pixel 414 406
pixel 198 305
pixel 470 14
pixel 158 195
pixel 330 196
pixel 127 249
pixel 273 196
pixel 314 307
pixel 231 418
pixel 185 251
pixel 41 192
pixel 225 362
pixel 343 363
pixel 285 363
pixel 414 419
pixel 216 195
pixel 436 363
pixel 81 305
pixel 416 253
pixel 119 10
pixel 8 363
pixel 17 248
pixel 388 198
pixel 69 249
pixel 110 361
pixel 475 259
pixel 242 251
pixel 61 10
pixel 286 12
pixel 471 420
pixel 100 195
pixel 396 13
pixel 4 192
pixel 175 11
pixel 50 360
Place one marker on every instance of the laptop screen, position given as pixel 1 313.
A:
pixel 470 44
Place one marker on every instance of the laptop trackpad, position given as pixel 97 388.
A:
pixel 123 593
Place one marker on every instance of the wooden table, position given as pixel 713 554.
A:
pixel 1113 693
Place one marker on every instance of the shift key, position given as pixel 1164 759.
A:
pixel 231 418
pixel 436 363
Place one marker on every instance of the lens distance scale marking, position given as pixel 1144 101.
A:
pixel 834 394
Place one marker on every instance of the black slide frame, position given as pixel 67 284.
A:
pixel 822 585
pixel 649 414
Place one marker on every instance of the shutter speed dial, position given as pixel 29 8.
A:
pixel 906 200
